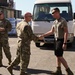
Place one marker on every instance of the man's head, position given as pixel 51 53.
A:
pixel 56 13
pixel 1 15
pixel 28 17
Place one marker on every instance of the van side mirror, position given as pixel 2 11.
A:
pixel 74 15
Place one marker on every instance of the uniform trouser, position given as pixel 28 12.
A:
pixel 23 59
pixel 5 45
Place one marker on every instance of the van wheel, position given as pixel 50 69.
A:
pixel 37 44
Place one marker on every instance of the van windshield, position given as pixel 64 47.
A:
pixel 42 12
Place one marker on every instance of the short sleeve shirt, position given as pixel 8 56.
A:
pixel 58 26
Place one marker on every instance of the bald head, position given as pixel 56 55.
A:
pixel 28 16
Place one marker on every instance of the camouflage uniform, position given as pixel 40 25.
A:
pixel 4 39
pixel 25 36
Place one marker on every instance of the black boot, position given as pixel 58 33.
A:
pixel 69 72
pixel 58 71
pixel 1 63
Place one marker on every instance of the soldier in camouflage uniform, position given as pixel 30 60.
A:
pixel 25 36
pixel 5 27
pixel 60 31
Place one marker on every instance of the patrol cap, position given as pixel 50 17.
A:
pixel 55 10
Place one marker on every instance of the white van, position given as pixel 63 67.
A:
pixel 43 20
pixel 13 23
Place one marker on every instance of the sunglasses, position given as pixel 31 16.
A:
pixel 53 12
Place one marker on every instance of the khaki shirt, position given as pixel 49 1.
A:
pixel 24 32
pixel 58 26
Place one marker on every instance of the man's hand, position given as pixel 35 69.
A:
pixel 64 46
pixel 40 37
pixel 2 29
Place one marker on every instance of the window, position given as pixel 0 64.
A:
pixel 42 12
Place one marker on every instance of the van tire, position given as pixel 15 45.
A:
pixel 37 44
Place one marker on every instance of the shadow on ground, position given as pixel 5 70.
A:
pixel 51 47
pixel 36 71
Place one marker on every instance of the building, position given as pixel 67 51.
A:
pixel 8 7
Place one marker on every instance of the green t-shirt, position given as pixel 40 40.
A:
pixel 58 26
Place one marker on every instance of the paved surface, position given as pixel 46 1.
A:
pixel 42 62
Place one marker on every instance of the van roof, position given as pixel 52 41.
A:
pixel 52 1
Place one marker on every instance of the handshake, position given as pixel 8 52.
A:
pixel 2 29
pixel 41 37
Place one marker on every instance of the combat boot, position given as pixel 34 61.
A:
pixel 9 68
pixel 69 72
pixel 58 71
pixel 1 63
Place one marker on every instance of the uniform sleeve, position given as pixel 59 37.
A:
pixel 8 26
pixel 64 23
pixel 30 33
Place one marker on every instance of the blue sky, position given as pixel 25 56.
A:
pixel 27 5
